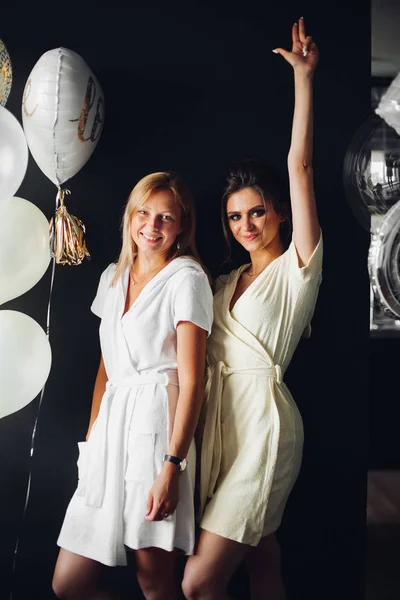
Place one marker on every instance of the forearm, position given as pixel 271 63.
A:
pixel 186 418
pixel 301 148
pixel 99 389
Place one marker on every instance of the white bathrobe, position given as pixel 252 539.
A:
pixel 252 429
pixel 124 453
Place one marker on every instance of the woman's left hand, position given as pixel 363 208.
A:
pixel 304 54
pixel 164 495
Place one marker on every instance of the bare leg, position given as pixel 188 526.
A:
pixel 209 571
pixel 79 578
pixel 264 566
pixel 157 573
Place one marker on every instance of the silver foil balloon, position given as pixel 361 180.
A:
pixel 371 170
pixel 5 74
pixel 389 105
pixel 384 262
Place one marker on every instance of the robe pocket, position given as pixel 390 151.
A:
pixel 81 463
pixel 140 466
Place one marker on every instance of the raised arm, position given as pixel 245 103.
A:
pixel 303 58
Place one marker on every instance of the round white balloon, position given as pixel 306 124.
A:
pixel 25 360
pixel 13 154
pixel 5 74
pixel 24 247
pixel 62 113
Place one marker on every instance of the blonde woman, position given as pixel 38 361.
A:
pixel 136 469
pixel 253 433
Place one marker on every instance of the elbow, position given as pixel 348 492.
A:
pixel 300 166
pixel 193 388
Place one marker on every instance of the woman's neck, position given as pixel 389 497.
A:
pixel 147 263
pixel 260 259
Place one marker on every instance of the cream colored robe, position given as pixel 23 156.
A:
pixel 252 430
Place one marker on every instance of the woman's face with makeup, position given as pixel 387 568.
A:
pixel 253 223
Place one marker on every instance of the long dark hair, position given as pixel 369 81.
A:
pixel 256 174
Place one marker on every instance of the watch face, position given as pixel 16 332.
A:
pixel 183 464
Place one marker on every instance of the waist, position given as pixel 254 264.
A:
pixel 169 377
pixel 273 371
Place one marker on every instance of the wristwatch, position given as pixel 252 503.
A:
pixel 179 462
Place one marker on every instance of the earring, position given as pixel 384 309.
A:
pixel 178 246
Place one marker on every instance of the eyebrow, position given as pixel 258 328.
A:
pixel 162 212
pixel 235 212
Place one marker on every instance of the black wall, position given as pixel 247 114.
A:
pixel 192 86
pixel 384 412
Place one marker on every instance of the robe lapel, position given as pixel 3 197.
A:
pixel 232 328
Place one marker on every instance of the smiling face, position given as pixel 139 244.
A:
pixel 253 224
pixel 156 223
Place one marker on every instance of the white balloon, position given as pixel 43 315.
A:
pixel 13 154
pixel 25 360
pixel 62 113
pixel 24 247
pixel 5 74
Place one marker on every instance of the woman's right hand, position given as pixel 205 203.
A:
pixel 163 497
pixel 304 55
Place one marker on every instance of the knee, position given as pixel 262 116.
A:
pixel 195 585
pixel 152 587
pixel 60 588
pixel 67 589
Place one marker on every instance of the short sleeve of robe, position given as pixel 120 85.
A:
pixel 193 299
pixel 102 290
pixel 302 278
pixel 312 269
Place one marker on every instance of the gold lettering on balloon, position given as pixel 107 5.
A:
pixel 27 91
pixel 88 103
pixel 98 120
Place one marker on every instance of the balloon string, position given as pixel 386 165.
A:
pixel 60 196
pixel 33 437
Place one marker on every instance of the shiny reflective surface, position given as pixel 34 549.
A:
pixel 389 105
pixel 384 262
pixel 371 170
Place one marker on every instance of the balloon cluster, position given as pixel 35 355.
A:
pixel 372 186
pixel 5 74
pixel 62 115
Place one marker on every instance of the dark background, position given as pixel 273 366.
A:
pixel 384 414
pixel 192 86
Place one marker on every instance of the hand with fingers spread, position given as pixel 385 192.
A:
pixel 304 54
pixel 164 495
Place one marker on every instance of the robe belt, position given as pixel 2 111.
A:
pixel 212 437
pixel 96 459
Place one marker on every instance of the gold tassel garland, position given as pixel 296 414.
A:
pixel 67 235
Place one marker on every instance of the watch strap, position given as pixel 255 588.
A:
pixel 174 459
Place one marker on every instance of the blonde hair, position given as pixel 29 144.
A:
pixel 143 189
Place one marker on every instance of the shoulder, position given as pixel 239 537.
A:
pixel 186 269
pixel 102 289
pixel 108 274
pixel 225 279
pixel 191 294
pixel 308 271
